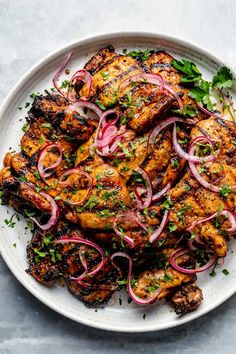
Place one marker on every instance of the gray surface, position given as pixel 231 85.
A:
pixel 30 29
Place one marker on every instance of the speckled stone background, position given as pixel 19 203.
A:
pixel 30 29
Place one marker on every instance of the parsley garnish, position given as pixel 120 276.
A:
pixel 100 104
pixel 192 74
pixel 172 227
pixel 183 210
pixel 46 125
pixel 140 54
pixel 65 84
pixel 104 74
pixel 224 191
pixel 167 204
pixel 187 111
pixel 25 127
pixel 225 271
pixel 223 78
pixel 10 222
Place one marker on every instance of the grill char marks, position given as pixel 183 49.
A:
pixel 160 63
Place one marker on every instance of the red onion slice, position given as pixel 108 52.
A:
pixel 184 155
pixel 84 104
pixel 88 243
pixel 122 236
pixel 197 175
pixel 160 194
pixel 141 204
pixel 54 214
pixel 224 212
pixel 207 112
pixel 71 171
pixel 180 252
pixel 165 123
pixel 86 77
pixel 155 197
pixel 132 294
pixel 153 79
pixel 58 74
pixel 43 171
pixel 156 234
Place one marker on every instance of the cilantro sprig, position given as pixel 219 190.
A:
pixel 204 91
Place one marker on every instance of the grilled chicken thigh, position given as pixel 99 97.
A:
pixel 100 193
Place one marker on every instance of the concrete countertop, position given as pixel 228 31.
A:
pixel 30 29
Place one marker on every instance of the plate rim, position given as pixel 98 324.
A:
pixel 6 102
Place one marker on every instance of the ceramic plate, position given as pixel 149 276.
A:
pixel 115 317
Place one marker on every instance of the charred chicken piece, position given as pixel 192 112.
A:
pixel 186 299
pixel 99 288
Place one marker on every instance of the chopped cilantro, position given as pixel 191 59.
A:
pixel 225 271
pixel 29 213
pixel 65 84
pixel 25 127
pixel 100 104
pixel 224 192
pixel 10 222
pixel 172 227
pixel 46 125
pixel 167 278
pixel 187 110
pixel 167 204
pixel 104 74
pixel 41 140
pixel 140 54
pixel 183 210
pixel 36 174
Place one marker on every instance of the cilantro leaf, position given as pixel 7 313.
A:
pixel 187 110
pixel 201 94
pixel 223 78
pixel 192 74
pixel 140 54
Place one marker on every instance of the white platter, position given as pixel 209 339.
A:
pixel 114 317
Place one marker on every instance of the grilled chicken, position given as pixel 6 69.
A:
pixel 111 183
pixel 188 298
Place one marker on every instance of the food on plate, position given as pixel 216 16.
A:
pixel 127 172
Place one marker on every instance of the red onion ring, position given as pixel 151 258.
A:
pixel 76 170
pixel 58 74
pixel 153 79
pixel 207 112
pixel 84 76
pixel 141 204
pixel 84 104
pixel 165 123
pixel 224 212
pixel 156 234
pixel 160 194
pixel 132 294
pixel 88 243
pixel 184 155
pixel 156 196
pixel 180 252
pixel 54 214
pixel 126 238
pixel 43 171
pixel 198 177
